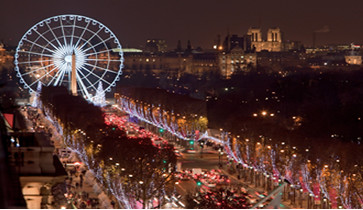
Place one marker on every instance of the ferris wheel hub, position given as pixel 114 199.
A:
pixel 68 58
pixel 63 57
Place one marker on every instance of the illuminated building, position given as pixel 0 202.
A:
pixel 236 60
pixel 4 55
pixel 353 59
pixel 274 42
pixel 39 169
pixel 156 45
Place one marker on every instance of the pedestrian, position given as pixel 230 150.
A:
pixel 81 178
pixel 93 204
pixel 77 185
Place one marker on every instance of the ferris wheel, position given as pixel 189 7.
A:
pixel 49 51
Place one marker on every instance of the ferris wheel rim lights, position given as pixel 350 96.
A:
pixel 57 50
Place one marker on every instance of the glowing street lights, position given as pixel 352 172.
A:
pixel 191 142
pixel 220 155
pixel 201 144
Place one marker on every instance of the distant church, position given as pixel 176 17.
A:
pixel 253 41
pixel 273 43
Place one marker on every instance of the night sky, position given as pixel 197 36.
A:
pixel 134 21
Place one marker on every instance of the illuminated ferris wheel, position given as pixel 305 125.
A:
pixel 63 48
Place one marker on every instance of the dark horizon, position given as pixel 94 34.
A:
pixel 199 21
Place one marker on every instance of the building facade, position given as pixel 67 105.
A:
pixel 5 56
pixel 156 45
pixel 235 61
pixel 273 43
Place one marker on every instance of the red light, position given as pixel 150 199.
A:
pixel 219 204
pixel 228 180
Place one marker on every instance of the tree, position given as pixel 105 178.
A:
pixel 100 98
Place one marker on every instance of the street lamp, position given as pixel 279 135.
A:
pixel 201 149
pixel 220 155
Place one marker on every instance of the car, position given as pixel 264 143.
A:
pixel 252 200
pixel 191 151
pixel 210 184
pixel 178 153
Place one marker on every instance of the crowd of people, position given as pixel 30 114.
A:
pixel 77 196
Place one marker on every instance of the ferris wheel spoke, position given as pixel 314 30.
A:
pixel 84 30
pixel 87 80
pixel 90 38
pixel 50 82
pixel 43 67
pixel 64 68
pixel 55 37
pixel 104 41
pixel 60 78
pixel 41 35
pixel 96 75
pixel 39 45
pixel 95 53
pixel 64 35
pixel 82 86
pixel 28 62
pixel 107 70
pixel 73 27
pixel 57 75
pixel 35 53
pixel 42 76
pixel 82 92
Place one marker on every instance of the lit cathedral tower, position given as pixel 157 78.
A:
pixel 255 33
pixel 274 35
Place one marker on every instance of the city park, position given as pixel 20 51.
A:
pixel 86 57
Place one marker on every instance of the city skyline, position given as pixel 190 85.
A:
pixel 134 22
pixel 268 114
